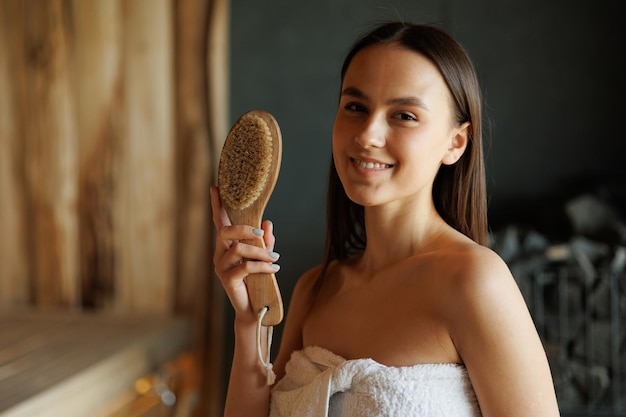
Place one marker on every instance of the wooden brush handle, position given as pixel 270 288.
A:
pixel 262 288
pixel 263 291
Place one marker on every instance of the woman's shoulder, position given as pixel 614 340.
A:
pixel 470 261
pixel 472 273
pixel 478 279
pixel 299 307
pixel 309 281
pixel 307 287
pixel 492 330
pixel 306 283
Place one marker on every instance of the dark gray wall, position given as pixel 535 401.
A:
pixel 551 72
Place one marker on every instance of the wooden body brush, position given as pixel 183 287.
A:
pixel 246 176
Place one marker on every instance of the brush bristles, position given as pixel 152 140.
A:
pixel 245 162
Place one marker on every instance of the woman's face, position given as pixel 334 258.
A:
pixel 394 126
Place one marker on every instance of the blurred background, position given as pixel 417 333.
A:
pixel 112 115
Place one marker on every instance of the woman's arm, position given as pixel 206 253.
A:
pixel 496 338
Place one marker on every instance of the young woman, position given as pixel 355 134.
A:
pixel 409 313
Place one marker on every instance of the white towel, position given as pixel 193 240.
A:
pixel 319 383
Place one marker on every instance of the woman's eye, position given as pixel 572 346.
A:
pixel 405 116
pixel 354 107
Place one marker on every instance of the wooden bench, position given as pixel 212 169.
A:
pixel 70 364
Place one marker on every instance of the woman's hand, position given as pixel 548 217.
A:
pixel 234 260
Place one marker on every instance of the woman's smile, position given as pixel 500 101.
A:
pixel 370 165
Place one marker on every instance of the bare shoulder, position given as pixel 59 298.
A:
pixel 492 330
pixel 469 253
pixel 477 268
pixel 303 294
pixel 297 312
pixel 483 294
pixel 305 286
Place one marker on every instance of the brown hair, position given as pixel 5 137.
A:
pixel 459 190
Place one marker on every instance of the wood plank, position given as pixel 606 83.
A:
pixel 193 177
pixel 217 56
pixel 80 362
pixel 194 167
pixel 13 266
pixel 144 208
pixel 97 46
pixel 49 137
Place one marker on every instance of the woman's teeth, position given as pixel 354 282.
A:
pixel 370 165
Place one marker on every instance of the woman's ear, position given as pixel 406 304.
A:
pixel 458 143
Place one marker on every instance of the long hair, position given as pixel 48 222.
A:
pixel 459 190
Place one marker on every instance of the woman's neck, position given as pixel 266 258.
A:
pixel 396 233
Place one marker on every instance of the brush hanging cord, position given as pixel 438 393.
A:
pixel 265 362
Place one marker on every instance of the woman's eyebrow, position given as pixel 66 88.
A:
pixel 408 101
pixel 399 101
pixel 354 92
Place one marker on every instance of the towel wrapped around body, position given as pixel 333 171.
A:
pixel 319 383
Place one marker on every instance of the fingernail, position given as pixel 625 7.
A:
pixel 258 232
pixel 276 266
pixel 273 255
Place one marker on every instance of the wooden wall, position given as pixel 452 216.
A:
pixel 110 114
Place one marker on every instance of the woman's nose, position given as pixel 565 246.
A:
pixel 371 133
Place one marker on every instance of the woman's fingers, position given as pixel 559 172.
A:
pixel 232 268
pixel 268 234
pixel 220 218
pixel 254 258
